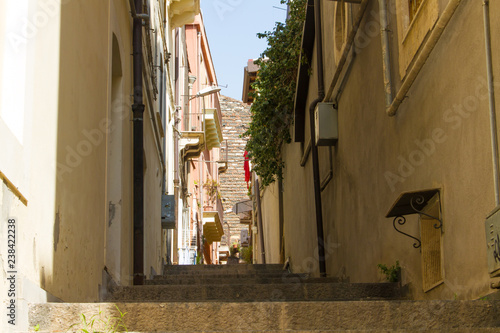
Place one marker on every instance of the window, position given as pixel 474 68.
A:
pixel 416 19
pixel 414 5
pixel 432 270
pixel 341 28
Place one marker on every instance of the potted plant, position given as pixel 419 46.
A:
pixel 211 189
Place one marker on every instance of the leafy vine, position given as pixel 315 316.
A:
pixel 274 86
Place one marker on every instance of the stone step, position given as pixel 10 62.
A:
pixel 243 268
pixel 222 274
pixel 256 292
pixel 234 275
pixel 355 316
pixel 238 279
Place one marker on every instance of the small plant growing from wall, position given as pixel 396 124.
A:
pixel 100 323
pixel 211 187
pixel 392 273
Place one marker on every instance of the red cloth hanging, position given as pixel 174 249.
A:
pixel 246 166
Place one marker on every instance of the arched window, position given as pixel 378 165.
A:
pixel 413 6
pixel 341 27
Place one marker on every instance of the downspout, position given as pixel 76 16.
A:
pixel 176 171
pixel 262 246
pixel 436 33
pixel 384 37
pixel 138 164
pixel 314 148
pixel 491 95
pixel 281 220
pixel 198 74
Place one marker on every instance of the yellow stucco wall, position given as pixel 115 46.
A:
pixel 84 126
pixel 59 153
pixel 28 147
pixel 270 226
pixel 442 127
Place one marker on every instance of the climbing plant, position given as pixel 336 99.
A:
pixel 274 94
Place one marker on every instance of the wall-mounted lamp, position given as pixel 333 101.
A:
pixel 202 93
pixel 207 91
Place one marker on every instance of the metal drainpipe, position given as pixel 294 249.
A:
pixel 429 45
pixel 491 95
pixel 259 221
pixel 281 220
pixel 138 164
pixel 384 34
pixel 198 74
pixel 176 170
pixel 314 148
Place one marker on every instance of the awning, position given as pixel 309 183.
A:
pixel 244 210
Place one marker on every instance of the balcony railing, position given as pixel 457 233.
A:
pixel 213 218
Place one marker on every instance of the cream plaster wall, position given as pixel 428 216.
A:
pixel 118 231
pixel 270 225
pixel 28 156
pixel 59 158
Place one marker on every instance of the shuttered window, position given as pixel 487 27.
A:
pixel 431 237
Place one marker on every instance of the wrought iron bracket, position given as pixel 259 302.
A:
pixel 402 220
pixel 413 203
pixel 419 200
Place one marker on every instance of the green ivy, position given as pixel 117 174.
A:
pixel 274 86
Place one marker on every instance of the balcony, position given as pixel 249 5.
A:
pixel 213 129
pixel 213 218
pixel 182 12
pixel 205 133
pixel 191 144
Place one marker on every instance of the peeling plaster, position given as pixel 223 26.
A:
pixel 112 212
pixel 57 223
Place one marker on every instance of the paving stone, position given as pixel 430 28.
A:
pixel 266 298
pixel 357 316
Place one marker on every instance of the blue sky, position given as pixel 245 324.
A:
pixel 232 27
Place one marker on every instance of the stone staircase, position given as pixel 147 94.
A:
pixel 246 298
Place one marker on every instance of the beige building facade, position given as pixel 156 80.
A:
pixel 406 89
pixel 199 129
pixel 66 137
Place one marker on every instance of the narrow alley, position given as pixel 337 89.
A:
pixel 162 171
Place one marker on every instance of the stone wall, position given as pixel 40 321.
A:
pixel 233 188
